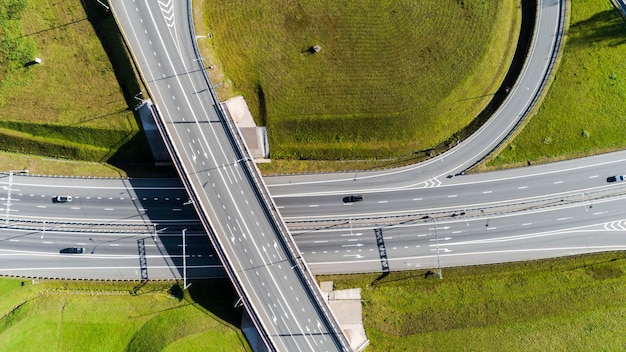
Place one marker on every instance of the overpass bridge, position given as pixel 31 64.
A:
pixel 273 281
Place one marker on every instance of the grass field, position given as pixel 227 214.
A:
pixel 583 112
pixel 73 105
pixel 391 77
pixel 569 304
pixel 92 316
pixel 566 304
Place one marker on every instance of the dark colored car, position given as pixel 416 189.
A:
pixel 618 178
pixel 352 199
pixel 73 250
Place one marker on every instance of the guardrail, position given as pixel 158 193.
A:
pixel 75 226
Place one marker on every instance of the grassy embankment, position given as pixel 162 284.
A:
pixel 71 106
pixel 583 113
pixel 92 316
pixel 390 80
pixel 38 117
pixel 569 304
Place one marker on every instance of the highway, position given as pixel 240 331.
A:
pixel 271 278
pixel 529 213
pixel 143 202
pixel 515 186
pixel 303 197
pixel 306 200
pixel 108 255
pixel 422 216
pixel 533 212
pixel 570 228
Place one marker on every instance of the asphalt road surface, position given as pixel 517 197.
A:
pixel 277 289
pixel 107 256
pixel 336 237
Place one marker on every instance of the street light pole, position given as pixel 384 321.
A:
pixel 350 221
pixel 185 286
pixel 8 207
pixel 437 247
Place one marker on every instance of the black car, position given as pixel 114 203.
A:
pixel 73 250
pixel 352 199
pixel 618 178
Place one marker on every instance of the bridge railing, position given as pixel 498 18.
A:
pixel 192 195
pixel 253 174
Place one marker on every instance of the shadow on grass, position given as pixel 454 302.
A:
pixel 218 297
pixel 166 326
pixel 605 28
pixel 107 31
pixel 603 270
pixel 386 278
pixel 53 28
pixel 133 155
pixel 135 158
pixel 262 105
pixel 379 278
pixel 101 117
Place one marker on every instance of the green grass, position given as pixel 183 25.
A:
pixel 568 304
pixel 93 316
pixel 74 105
pixel 391 78
pixel 583 112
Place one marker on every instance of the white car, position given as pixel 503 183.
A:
pixel 62 199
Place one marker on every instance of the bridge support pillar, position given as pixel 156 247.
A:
pixel 251 333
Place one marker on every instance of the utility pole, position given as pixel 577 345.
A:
pixel 185 286
pixel 8 208
pixel 437 247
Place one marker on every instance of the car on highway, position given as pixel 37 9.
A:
pixel 352 199
pixel 72 250
pixel 617 178
pixel 62 199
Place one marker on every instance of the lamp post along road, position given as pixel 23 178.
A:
pixel 437 249
pixel 185 286
pixel 8 204
pixel 350 221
